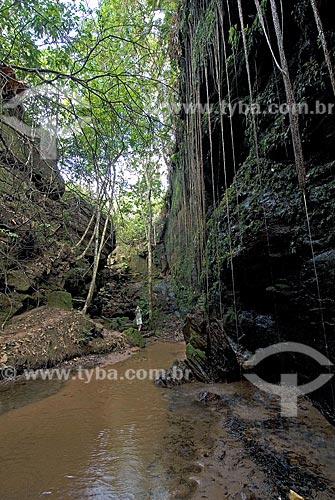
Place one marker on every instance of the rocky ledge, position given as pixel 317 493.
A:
pixel 48 336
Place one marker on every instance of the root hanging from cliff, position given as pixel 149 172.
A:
pixel 294 125
pixel 293 116
pixel 233 48
pixel 229 92
pixel 194 158
pixel 254 126
pixel 262 23
pixel 317 281
pixel 323 42
pixel 255 135
pixel 240 11
pixel 297 144
pixel 218 78
pixel 210 138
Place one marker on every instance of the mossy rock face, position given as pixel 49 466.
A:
pixel 77 279
pixel 197 361
pixel 195 354
pixel 11 304
pixel 120 324
pixel 134 337
pixel 196 340
pixel 18 280
pixel 60 299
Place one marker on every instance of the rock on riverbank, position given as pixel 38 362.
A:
pixel 47 336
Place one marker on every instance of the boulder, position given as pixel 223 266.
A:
pixel 60 300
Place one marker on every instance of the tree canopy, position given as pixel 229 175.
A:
pixel 96 78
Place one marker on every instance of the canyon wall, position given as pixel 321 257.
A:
pixel 250 252
pixel 41 224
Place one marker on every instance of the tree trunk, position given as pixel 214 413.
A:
pixel 97 254
pixel 149 244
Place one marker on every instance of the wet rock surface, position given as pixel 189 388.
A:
pixel 38 237
pixel 251 452
pixel 246 256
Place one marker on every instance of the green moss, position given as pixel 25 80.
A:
pixel 204 35
pixel 60 299
pixel 134 337
pixel 10 234
pixel 76 273
pixel 18 280
pixel 196 340
pixel 194 354
pixel 119 324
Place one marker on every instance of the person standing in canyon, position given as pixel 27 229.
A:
pixel 139 320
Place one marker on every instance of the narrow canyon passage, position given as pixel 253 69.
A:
pixel 167 182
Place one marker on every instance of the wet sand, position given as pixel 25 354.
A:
pixel 245 450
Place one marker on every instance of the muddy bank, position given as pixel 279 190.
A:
pixel 244 450
pixel 191 436
pixel 47 336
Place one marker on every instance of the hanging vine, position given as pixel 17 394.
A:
pixel 293 116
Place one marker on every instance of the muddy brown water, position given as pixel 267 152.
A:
pixel 100 440
pixel 130 440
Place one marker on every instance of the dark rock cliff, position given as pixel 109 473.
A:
pixel 240 238
pixel 40 226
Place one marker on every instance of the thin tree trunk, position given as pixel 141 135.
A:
pixel 95 263
pixel 82 255
pixel 82 239
pixel 294 117
pixel 98 247
pixel 149 244
pixel 97 255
